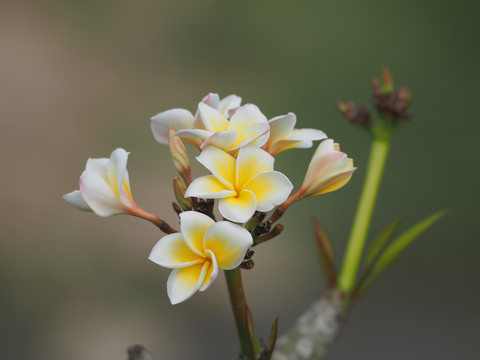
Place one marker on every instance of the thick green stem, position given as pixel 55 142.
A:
pixel 361 223
pixel 248 341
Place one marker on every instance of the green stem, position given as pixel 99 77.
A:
pixel 363 216
pixel 248 341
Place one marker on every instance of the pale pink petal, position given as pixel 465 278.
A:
pixel 220 164
pixel 212 119
pixel 184 282
pixel 251 160
pixel 271 188
pixel 208 187
pixel 222 139
pixel 321 166
pixel 331 183
pixel 76 199
pixel 99 195
pixel 212 271
pixel 244 116
pixel 193 226
pixel 176 118
pixel 172 252
pixel 212 100
pixel 283 145
pixel 240 208
pixel 229 242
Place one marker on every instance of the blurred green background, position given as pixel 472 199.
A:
pixel 80 78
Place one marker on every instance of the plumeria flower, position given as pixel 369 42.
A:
pixel 104 187
pixel 329 170
pixel 183 119
pixel 243 184
pixel 197 252
pixel 284 136
pixel 246 126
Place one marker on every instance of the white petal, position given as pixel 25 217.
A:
pixel 222 139
pixel 325 146
pixel 212 100
pixel 229 242
pixel 238 209
pixel 322 165
pixel 220 164
pixel 184 282
pixel 192 133
pixel 208 187
pixel 116 168
pixel 176 118
pixel 281 127
pixel 99 195
pixel 98 166
pixel 193 226
pixel 212 119
pixel 251 160
pixel 254 134
pixel 173 252
pixel 212 271
pixel 244 116
pixel 76 199
pixel 271 188
pixel 229 103
pixel 306 134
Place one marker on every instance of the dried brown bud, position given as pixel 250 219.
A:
pixel 358 115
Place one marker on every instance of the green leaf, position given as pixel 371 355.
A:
pixel 404 240
pixel 272 340
pixel 325 254
pixel 379 243
pixel 399 244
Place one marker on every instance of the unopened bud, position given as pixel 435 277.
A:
pixel 178 210
pixel 179 190
pixel 247 265
pixel 179 156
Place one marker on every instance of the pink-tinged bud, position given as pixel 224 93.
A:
pixel 179 156
pixel 329 170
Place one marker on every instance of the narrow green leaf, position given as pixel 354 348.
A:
pixel 399 244
pixel 325 254
pixel 404 240
pixel 381 240
pixel 272 340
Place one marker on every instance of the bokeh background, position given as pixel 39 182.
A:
pixel 80 78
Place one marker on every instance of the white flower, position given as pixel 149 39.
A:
pixel 243 184
pixel 104 186
pixel 284 136
pixel 329 170
pixel 197 252
pixel 183 119
pixel 246 126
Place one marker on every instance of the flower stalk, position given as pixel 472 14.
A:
pixel 363 215
pixel 248 342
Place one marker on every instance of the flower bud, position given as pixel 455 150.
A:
pixel 179 156
pixel 329 170
pixel 179 190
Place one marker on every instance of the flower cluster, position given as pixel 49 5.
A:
pixel 237 145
